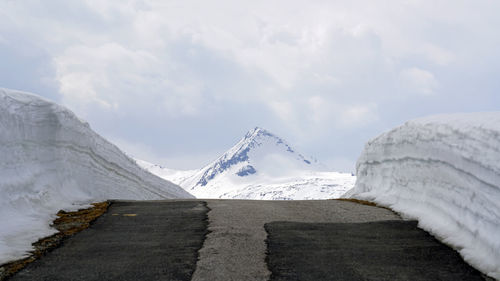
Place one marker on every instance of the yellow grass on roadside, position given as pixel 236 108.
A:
pixel 68 224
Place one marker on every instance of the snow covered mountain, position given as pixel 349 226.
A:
pixel 51 160
pixel 259 152
pixel 444 171
pixel 260 166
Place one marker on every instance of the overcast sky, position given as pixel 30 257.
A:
pixel 179 82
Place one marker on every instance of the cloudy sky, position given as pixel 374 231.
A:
pixel 179 82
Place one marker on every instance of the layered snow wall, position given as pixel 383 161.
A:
pixel 445 172
pixel 50 160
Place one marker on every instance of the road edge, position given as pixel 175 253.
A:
pixel 68 224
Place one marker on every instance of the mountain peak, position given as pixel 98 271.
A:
pixel 253 152
pixel 257 137
pixel 257 131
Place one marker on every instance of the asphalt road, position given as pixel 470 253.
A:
pixel 132 241
pixel 383 250
pixel 250 240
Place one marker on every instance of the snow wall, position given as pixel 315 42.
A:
pixel 51 160
pixel 445 172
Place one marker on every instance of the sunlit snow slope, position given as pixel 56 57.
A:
pixel 260 166
pixel 444 171
pixel 51 160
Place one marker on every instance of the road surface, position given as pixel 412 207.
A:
pixel 250 240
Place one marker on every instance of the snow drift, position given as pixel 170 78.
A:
pixel 445 172
pixel 260 166
pixel 51 160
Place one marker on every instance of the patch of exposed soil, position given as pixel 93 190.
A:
pixel 68 224
pixel 361 202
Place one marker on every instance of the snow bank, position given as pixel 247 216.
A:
pixel 50 160
pixel 445 172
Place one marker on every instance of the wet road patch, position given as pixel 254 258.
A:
pixel 385 250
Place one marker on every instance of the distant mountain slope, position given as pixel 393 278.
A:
pixel 51 160
pixel 172 175
pixel 260 166
pixel 259 153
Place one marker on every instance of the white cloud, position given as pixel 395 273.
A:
pixel 283 109
pixel 437 54
pixel 113 77
pixel 326 43
pixel 181 161
pixel 78 89
pixel 317 68
pixel 419 81
pixel 318 108
pixel 313 114
pixel 358 115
